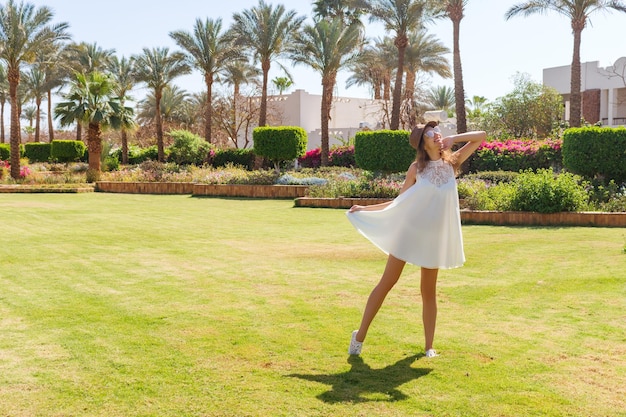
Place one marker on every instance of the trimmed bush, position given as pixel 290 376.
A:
pixel 237 157
pixel 383 150
pixel 279 144
pixel 67 150
pixel 595 152
pixel 5 151
pixel 37 152
pixel 188 148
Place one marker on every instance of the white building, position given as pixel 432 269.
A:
pixel 348 115
pixel 603 91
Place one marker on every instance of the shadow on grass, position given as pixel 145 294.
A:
pixel 362 383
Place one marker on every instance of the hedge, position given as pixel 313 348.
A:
pixel 383 150
pixel 67 150
pixel 279 143
pixel 37 151
pixel 596 152
pixel 237 157
pixel 5 151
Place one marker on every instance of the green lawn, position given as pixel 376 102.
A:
pixel 134 305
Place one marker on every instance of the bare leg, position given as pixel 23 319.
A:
pixel 429 304
pixel 390 276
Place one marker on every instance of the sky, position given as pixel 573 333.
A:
pixel 493 50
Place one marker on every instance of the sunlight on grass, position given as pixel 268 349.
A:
pixel 133 305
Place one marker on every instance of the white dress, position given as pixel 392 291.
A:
pixel 421 226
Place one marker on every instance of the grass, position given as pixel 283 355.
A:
pixel 135 305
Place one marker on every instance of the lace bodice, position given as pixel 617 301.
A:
pixel 438 172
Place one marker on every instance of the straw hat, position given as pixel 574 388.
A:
pixel 418 132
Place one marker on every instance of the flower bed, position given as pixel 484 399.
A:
pixel 195 189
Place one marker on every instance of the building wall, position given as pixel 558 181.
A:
pixel 348 115
pixel 610 105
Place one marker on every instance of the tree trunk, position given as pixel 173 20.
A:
pixel 328 84
pixel 208 107
pixel 94 145
pixel 159 126
pixel 2 122
pixel 459 89
pixel 37 122
pixel 401 43
pixel 124 147
pixel 79 131
pixel 50 124
pixel 575 105
pixel 13 75
pixel 263 112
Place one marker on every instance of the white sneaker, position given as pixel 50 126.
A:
pixel 431 353
pixel 355 347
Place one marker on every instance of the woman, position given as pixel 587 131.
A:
pixel 421 226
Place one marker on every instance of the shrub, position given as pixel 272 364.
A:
pixel 5 151
pixel 545 192
pixel 67 150
pixel 239 157
pixel 595 152
pixel 188 148
pixel 37 152
pixel 280 143
pixel 342 156
pixel 311 159
pixel 516 155
pixel 494 177
pixel 383 150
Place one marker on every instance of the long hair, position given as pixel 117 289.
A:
pixel 422 157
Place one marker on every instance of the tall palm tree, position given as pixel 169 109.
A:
pixel 210 51
pixel 238 73
pixel 370 70
pixel 157 68
pixel 327 47
pixel 266 31
pixel 425 53
pixel 53 63
pixel 350 11
pixel 122 71
pixel 35 82
pixel 24 30
pixel 92 100
pixel 578 11
pixel 455 11
pixel 173 98
pixel 401 17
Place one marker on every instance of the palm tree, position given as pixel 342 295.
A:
pixel 56 71
pixel 282 84
pixel 441 97
pixel 237 74
pixel 86 58
pixel 267 32
pixel 578 11
pixel 425 53
pixel 4 91
pixel 454 10
pixel 91 100
pixel 327 47
pixel 122 72
pixel 173 98
pixel 402 17
pixel 476 105
pixel 157 68
pixel 24 30
pixel 210 51
pixel 349 11
pixel 35 82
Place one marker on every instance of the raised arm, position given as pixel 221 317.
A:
pixel 472 142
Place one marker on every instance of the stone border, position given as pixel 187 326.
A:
pixel 201 190
pixel 498 218
pixel 38 189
